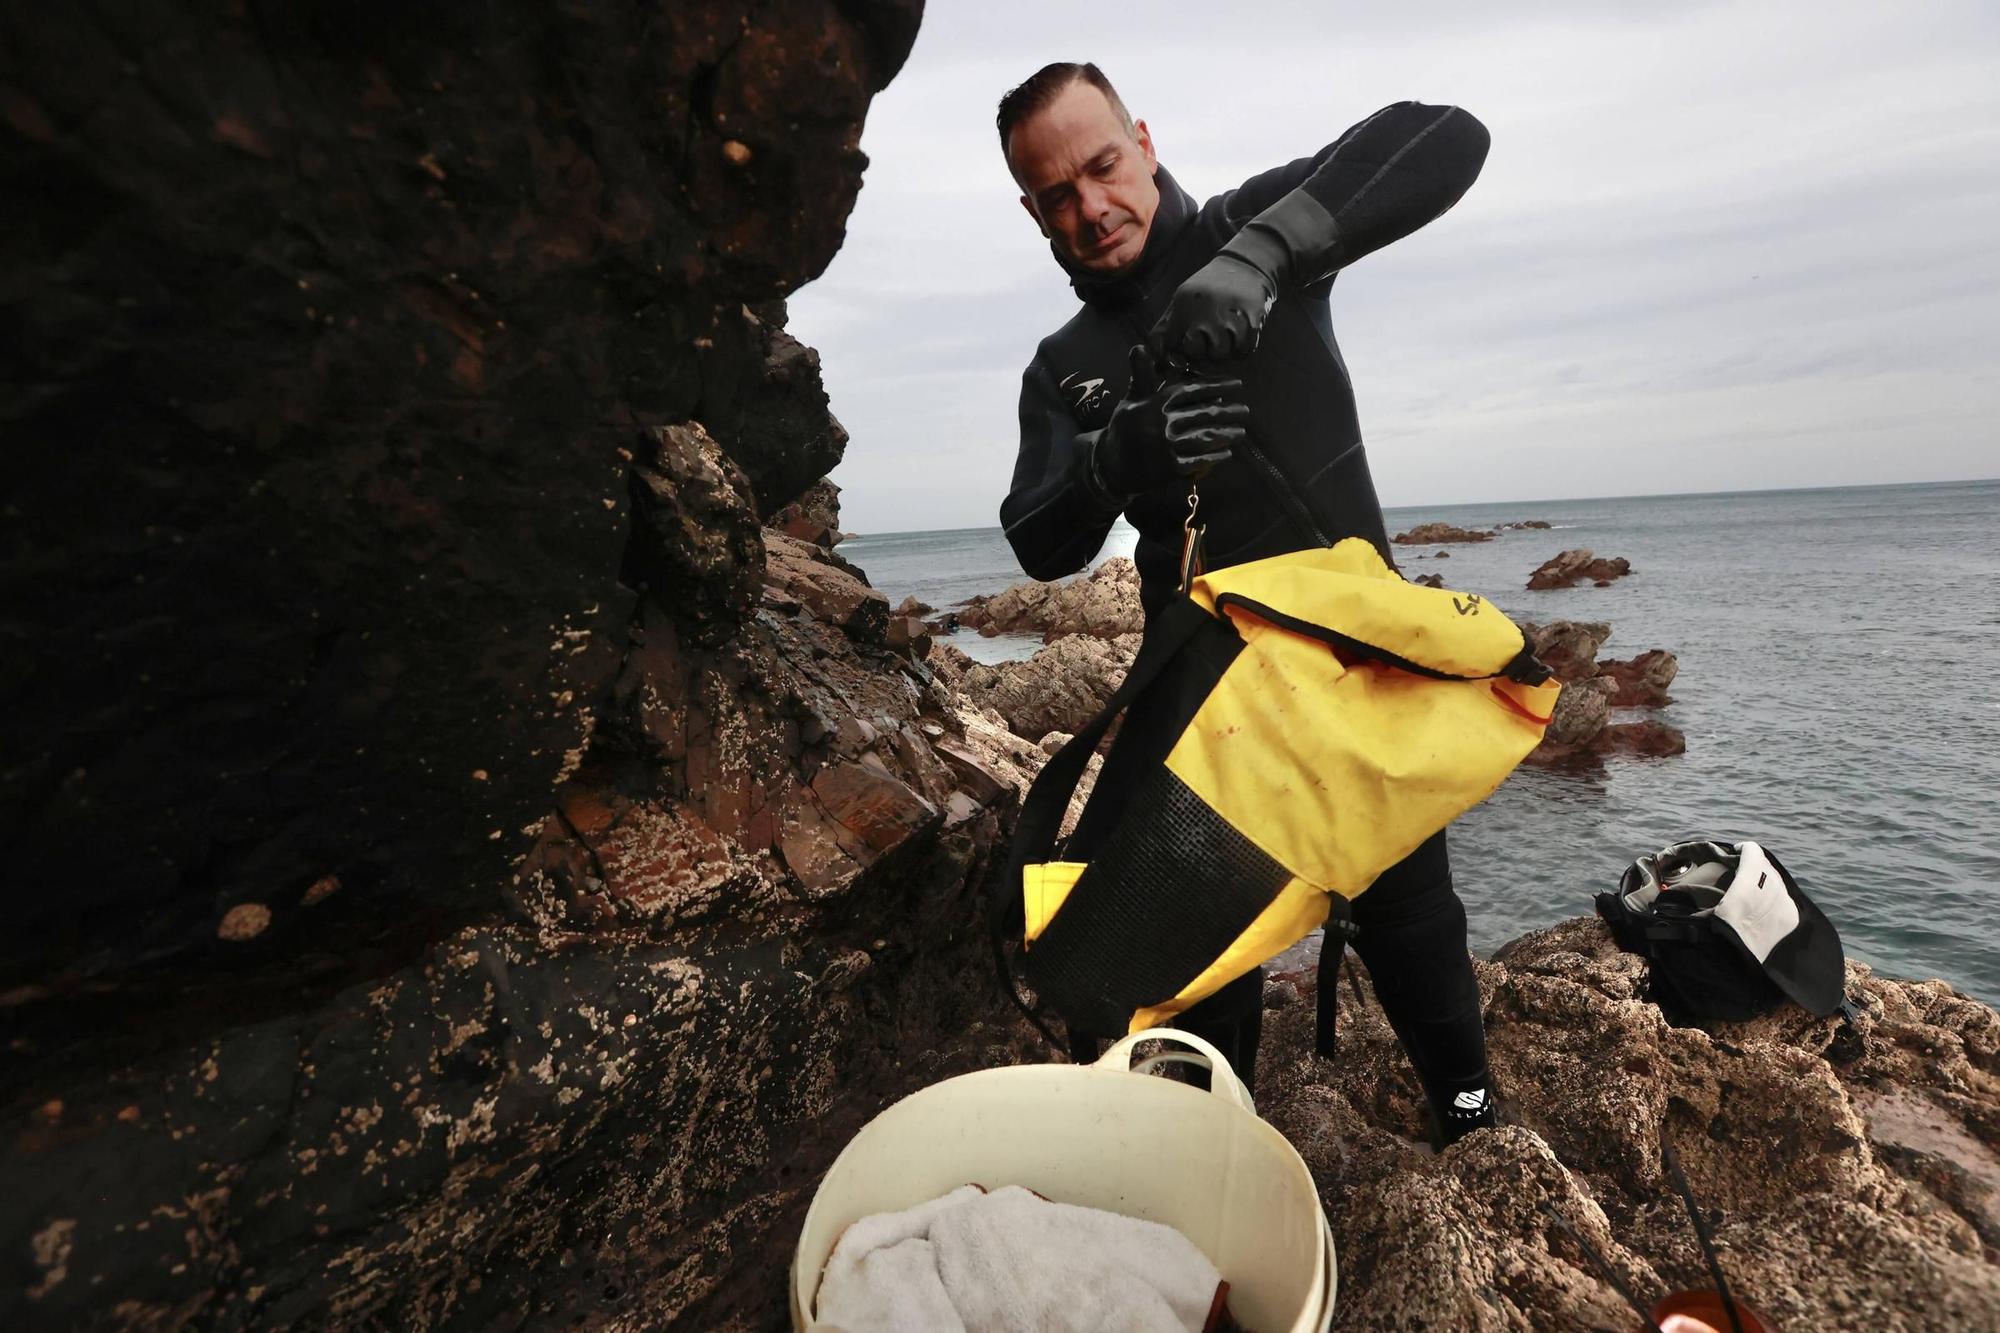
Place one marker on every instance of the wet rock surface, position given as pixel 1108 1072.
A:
pixel 744 920
pixel 1644 737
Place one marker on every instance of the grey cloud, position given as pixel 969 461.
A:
pixel 1748 238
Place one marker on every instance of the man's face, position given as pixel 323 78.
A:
pixel 1088 180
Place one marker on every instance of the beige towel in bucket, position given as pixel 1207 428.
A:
pixel 1013 1262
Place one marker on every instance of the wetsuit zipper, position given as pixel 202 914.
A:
pixel 1287 496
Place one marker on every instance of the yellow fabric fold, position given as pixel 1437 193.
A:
pixel 1043 888
pixel 1298 910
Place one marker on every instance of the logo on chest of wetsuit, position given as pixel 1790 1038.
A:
pixel 1088 395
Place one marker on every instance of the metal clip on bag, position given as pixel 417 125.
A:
pixel 1331 718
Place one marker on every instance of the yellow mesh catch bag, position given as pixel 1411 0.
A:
pixel 1332 717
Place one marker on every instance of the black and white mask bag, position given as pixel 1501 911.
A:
pixel 1726 933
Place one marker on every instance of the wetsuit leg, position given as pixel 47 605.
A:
pixel 1412 936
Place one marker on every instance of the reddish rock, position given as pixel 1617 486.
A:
pixel 1013 760
pixel 977 776
pixel 826 586
pixel 1644 737
pixel 1568 647
pixel 878 809
pixel 910 606
pixel 1103 603
pixel 1643 680
pixel 813 517
pixel 665 864
pixel 1568 567
pixel 909 634
pixel 1060 688
pixel 948 665
pixel 1429 580
pixel 1581 714
pixel 1425 534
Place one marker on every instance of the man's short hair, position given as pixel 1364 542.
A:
pixel 1042 88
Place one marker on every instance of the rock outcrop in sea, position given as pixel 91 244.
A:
pixel 1583 727
pixel 1426 534
pixel 1566 568
pixel 1431 534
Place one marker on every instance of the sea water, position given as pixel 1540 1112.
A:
pixel 1839 689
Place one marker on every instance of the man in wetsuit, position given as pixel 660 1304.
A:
pixel 1204 349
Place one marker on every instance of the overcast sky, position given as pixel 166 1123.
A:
pixel 1716 245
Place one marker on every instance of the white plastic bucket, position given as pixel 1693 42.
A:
pixel 1103 1137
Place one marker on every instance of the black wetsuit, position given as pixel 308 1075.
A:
pixel 1302 483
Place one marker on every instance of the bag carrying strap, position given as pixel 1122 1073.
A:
pixel 1048 796
pixel 1340 932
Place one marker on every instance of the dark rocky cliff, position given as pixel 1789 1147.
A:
pixel 451 871
pixel 331 331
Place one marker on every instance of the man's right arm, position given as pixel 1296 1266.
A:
pixel 1057 513
pixel 1295 226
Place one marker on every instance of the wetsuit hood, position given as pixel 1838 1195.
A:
pixel 1176 210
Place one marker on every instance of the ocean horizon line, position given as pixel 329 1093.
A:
pixel 1546 500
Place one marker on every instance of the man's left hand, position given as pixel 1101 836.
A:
pixel 1217 316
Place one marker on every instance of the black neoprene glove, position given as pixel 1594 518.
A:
pixel 1217 315
pixel 1163 433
